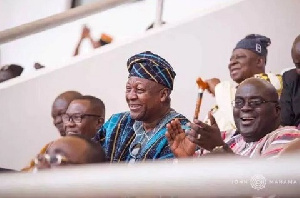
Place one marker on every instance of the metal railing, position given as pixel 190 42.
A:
pixel 58 19
pixel 206 177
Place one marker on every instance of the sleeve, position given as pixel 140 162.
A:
pixel 101 134
pixel 287 115
pixel 166 153
pixel 279 141
pixel 224 94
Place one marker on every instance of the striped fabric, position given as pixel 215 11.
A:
pixel 268 146
pixel 152 67
pixel 117 136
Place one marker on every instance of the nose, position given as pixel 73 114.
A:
pixel 246 107
pixel 69 123
pixel 131 95
pixel 232 62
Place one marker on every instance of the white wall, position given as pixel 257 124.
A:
pixel 198 47
pixel 55 47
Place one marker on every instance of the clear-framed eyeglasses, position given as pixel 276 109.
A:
pixel 54 160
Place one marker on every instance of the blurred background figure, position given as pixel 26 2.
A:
pixel 60 106
pixel 38 66
pixel 70 150
pixel 86 34
pixel 10 71
pixel 290 100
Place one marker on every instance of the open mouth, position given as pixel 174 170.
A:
pixel 234 70
pixel 71 133
pixel 247 120
pixel 134 107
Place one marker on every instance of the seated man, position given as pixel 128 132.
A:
pixel 139 134
pixel 290 98
pixel 256 113
pixel 70 150
pixel 248 59
pixel 85 115
pixel 59 107
pixel 10 71
pixel 86 34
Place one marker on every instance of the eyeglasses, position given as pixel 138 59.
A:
pixel 253 103
pixel 52 160
pixel 77 118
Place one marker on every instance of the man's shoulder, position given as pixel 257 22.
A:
pixel 182 119
pixel 290 75
pixel 117 118
pixel 122 114
pixel 287 132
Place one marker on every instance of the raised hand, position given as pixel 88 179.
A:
pixel 212 83
pixel 179 143
pixel 205 136
pixel 85 32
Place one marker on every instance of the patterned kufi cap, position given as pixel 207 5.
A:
pixel 152 67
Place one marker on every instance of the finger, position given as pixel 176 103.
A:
pixel 169 133
pixel 172 129
pixel 168 136
pixel 212 119
pixel 178 127
pixel 199 142
pixel 201 124
pixel 197 129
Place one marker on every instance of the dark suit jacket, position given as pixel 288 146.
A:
pixel 290 99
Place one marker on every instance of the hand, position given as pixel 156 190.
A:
pixel 179 143
pixel 85 32
pixel 41 162
pixel 205 136
pixel 212 120
pixel 212 83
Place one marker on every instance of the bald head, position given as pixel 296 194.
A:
pixel 256 109
pixel 69 95
pixel 60 106
pixel 265 87
pixel 295 52
pixel 72 150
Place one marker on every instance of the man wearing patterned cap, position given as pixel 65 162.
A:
pixel 248 59
pixel 139 134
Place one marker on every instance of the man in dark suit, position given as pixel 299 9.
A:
pixel 290 97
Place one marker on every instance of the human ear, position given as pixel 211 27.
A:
pixel 164 94
pixel 100 122
pixel 261 62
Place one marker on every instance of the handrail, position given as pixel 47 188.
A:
pixel 159 13
pixel 57 19
pixel 206 177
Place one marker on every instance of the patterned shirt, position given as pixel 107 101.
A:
pixel 121 133
pixel 268 146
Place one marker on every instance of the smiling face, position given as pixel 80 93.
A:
pixel 244 64
pixel 59 107
pixel 255 121
pixel 145 98
pixel 91 118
